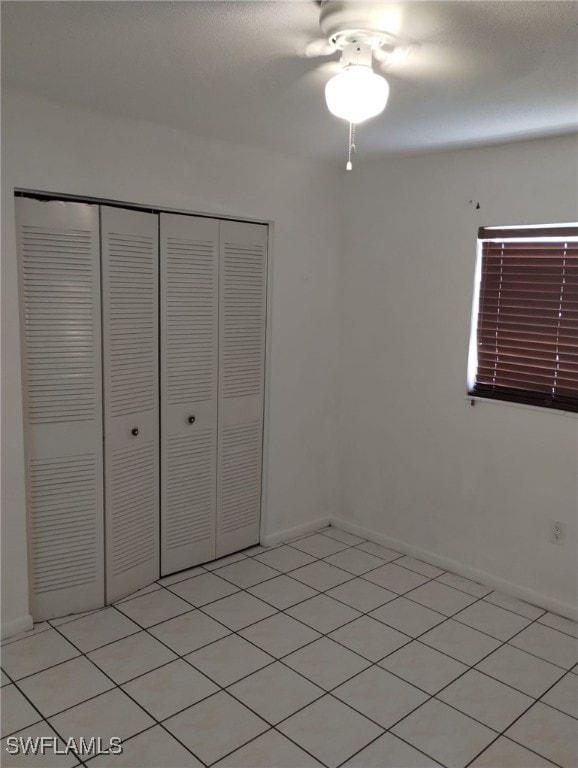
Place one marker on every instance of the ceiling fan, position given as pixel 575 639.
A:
pixel 367 32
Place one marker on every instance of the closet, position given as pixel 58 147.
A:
pixel 143 359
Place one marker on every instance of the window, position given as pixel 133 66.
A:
pixel 524 337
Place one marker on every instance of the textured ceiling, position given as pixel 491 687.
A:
pixel 476 72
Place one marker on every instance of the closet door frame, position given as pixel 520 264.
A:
pixel 265 538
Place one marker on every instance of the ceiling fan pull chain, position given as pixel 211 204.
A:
pixel 349 165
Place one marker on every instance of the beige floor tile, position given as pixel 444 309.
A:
pixel 431 571
pixel 279 635
pixel 187 633
pixel 423 666
pixel 282 592
pixel 515 605
pixel 39 626
pixel 390 752
pixel 154 607
pixel 504 753
pixel 17 712
pixel 292 692
pixel 492 620
pixel 33 654
pixel 441 598
pixel 175 578
pixel 521 670
pixel 446 735
pixel 548 732
pixel 214 565
pixel 380 696
pixel 140 592
pixel 131 656
pixel 355 561
pixel 326 663
pixel 203 589
pixel 98 629
pixel 462 643
pixel 330 731
pixel 271 750
pixel 395 578
pixel 361 595
pixel 112 714
pixel 465 585
pixel 560 623
pixel 408 617
pixel 65 686
pixel 229 659
pixel 246 573
pixel 370 638
pixel 323 613
pixel 320 575
pixel 385 554
pixel 319 545
pixel 485 699
pixel 215 727
pixel 564 695
pixel 239 610
pixel 549 644
pixel 151 749
pixel 60 620
pixel 285 558
pixel 167 690
pixel 342 536
pixel 4 679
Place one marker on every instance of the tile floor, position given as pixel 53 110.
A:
pixel 325 651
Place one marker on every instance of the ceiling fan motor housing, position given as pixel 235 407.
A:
pixel 355 21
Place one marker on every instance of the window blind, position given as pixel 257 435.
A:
pixel 527 323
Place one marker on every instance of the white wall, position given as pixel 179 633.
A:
pixel 419 465
pixel 55 148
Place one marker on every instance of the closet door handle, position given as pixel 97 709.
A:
pixel 192 419
pixel 134 431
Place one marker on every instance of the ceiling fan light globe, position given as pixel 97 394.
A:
pixel 356 94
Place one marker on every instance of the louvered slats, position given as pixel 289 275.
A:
pixel 132 318
pixel 191 303
pixel 190 503
pixel 240 476
pixel 64 542
pixel 133 498
pixel 243 318
pixel 58 275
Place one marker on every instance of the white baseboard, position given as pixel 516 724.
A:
pixel 270 539
pixel 14 627
pixel 483 577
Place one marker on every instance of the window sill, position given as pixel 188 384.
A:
pixel 552 411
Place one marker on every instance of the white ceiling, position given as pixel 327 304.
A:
pixel 478 72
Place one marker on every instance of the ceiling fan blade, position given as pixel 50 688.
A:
pixel 318 76
pixel 433 63
pixel 313 49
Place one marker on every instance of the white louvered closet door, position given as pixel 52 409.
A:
pixel 131 424
pixel 242 324
pixel 189 253
pixel 59 265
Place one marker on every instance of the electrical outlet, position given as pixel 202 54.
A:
pixel 557 532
